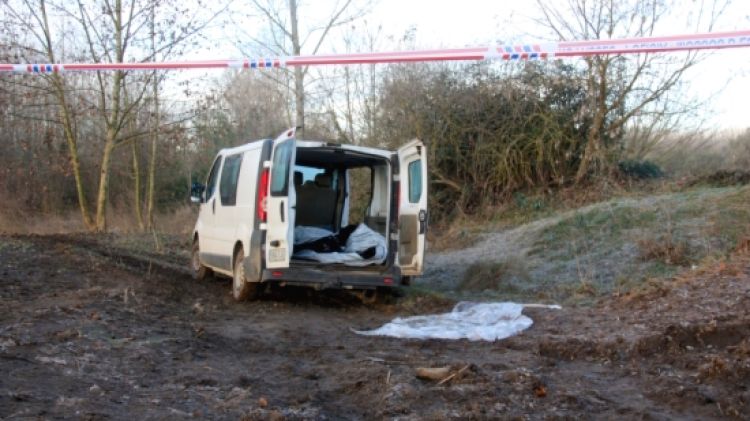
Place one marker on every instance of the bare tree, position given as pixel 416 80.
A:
pixel 150 198
pixel 621 89
pixel 104 31
pixel 352 92
pixel 287 37
pixel 34 19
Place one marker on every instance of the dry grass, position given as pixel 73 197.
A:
pixel 506 276
pixel 451 237
pixel 723 268
pixel 530 206
pixel 665 250
pixel 612 247
pixel 13 220
pixel 743 246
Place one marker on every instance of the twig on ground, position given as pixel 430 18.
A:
pixel 447 379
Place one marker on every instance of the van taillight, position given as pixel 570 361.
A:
pixel 261 205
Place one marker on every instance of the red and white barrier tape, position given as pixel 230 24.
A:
pixel 709 41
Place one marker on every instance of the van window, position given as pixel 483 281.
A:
pixel 211 182
pixel 307 174
pixel 415 181
pixel 280 170
pixel 229 176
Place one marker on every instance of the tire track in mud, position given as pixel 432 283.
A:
pixel 656 356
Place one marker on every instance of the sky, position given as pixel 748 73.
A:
pixel 721 82
pixel 722 79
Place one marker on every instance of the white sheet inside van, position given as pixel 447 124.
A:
pixel 361 239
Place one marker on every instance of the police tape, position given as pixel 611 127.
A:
pixel 538 51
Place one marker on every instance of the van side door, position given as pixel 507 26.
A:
pixel 210 246
pixel 227 218
pixel 281 202
pixel 412 227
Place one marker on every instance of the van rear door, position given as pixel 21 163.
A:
pixel 280 202
pixel 412 208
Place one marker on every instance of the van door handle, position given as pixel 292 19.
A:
pixel 213 206
pixel 281 210
pixel 422 221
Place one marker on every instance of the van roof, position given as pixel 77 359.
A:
pixel 309 144
pixel 243 148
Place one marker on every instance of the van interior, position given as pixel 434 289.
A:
pixel 325 177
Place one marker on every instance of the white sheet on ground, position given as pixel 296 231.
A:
pixel 472 321
pixel 361 239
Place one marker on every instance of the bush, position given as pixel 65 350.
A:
pixel 640 170
pixel 489 133
pixel 722 178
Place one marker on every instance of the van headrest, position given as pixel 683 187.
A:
pixel 323 180
pixel 297 178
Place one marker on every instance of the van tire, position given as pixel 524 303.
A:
pixel 200 272
pixel 242 289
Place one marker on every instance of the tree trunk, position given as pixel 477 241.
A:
pixel 101 197
pixel 593 154
pixel 70 138
pixel 154 128
pixel 299 74
pixel 137 185
pixel 70 135
pixel 112 123
pixel 136 161
pixel 152 176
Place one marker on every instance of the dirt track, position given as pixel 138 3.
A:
pixel 87 334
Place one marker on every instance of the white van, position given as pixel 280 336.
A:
pixel 279 211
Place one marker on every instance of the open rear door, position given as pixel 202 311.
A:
pixel 412 228
pixel 281 201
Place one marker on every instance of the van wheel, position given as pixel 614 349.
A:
pixel 242 289
pixel 368 296
pixel 200 272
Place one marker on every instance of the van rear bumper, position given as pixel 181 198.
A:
pixel 335 279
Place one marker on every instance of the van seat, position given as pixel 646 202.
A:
pixel 323 180
pixel 316 203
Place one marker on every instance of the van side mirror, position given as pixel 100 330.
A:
pixel 196 193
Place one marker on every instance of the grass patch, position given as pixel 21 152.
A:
pixel 608 247
pixel 616 246
pixel 665 249
pixel 675 228
pixel 453 237
pixel 419 300
pixel 529 206
pixel 507 276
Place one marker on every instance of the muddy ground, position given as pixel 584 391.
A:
pixel 93 332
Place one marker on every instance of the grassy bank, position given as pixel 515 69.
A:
pixel 609 247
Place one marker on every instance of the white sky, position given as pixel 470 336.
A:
pixel 724 78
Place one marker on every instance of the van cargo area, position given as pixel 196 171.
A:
pixel 343 199
pixel 341 212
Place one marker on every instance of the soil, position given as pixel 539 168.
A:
pixel 91 331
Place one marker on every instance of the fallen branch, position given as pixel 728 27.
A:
pixel 382 361
pixel 433 373
pixel 447 379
